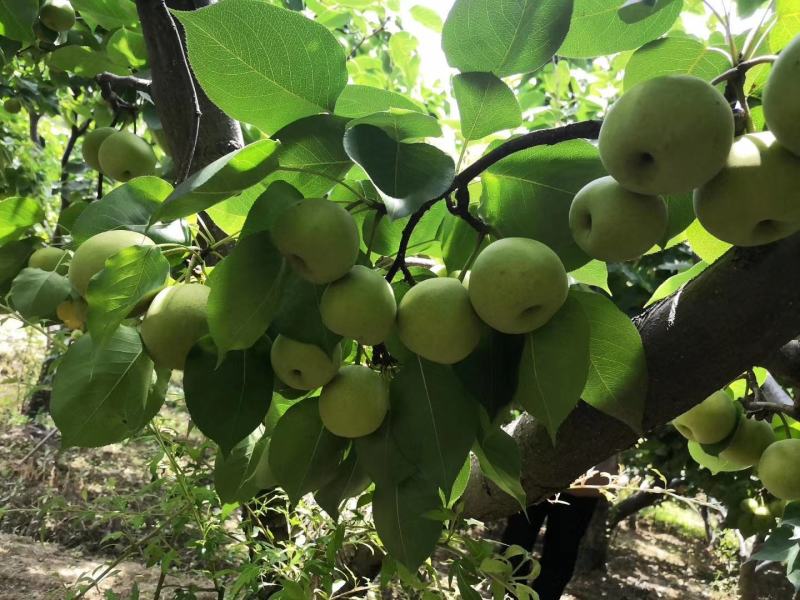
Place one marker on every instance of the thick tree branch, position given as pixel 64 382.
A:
pixel 120 82
pixel 733 316
pixel 742 68
pixel 785 363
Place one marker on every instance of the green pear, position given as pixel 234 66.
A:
pixel 436 320
pixel 667 135
pixel 709 422
pixel 780 98
pixel 50 259
pixel 303 366
pixel 57 15
pixel 90 257
pixel 91 145
pixel 779 469
pixel 713 463
pixel 318 238
pixel 748 443
pixel 355 402
pixel 360 306
pixel 175 320
pixel 755 198
pixel 12 105
pixel 517 284
pixel 613 224
pixel 124 155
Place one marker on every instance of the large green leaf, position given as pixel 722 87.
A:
pixel 498 456
pixel 504 37
pixel 407 175
pixel 787 24
pixel 265 210
pixel 84 61
pixel 529 194
pixel 485 105
pixel 263 64
pixel 233 473
pixel 426 397
pixel 18 214
pixel 617 382
pixel 17 18
pixel 349 480
pixel 36 294
pixel 303 454
pixel 554 366
pixel 129 276
pixel 227 402
pixel 401 124
pixel 100 395
pixel 131 206
pixel 13 258
pixel 108 13
pixel 361 100
pixel 380 455
pixel 127 48
pixel 223 178
pixel 674 56
pixel 399 512
pixel 597 28
pixel 246 289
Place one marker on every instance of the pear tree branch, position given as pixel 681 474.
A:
pixel 742 68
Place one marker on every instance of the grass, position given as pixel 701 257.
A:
pixel 677 517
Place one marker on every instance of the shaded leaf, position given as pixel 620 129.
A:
pixel 232 473
pixel 13 258
pixel 35 293
pixel 17 18
pixel 381 457
pixel 348 481
pixel 499 459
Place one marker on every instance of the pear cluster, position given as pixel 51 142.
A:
pixel 740 442
pixel 120 155
pixel 515 286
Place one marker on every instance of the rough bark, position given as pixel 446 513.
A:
pixel 785 363
pixel 733 316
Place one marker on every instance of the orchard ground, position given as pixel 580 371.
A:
pixel 50 536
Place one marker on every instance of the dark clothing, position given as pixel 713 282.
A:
pixel 566 525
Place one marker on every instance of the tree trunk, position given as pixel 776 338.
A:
pixel 593 552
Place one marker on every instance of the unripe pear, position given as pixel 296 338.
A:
pixel 749 442
pixel 779 469
pixel 12 105
pixel 73 313
pixel 57 15
pixel 709 422
pixel 667 135
pixel 175 321
pixel 755 198
pixel 517 284
pixel 355 402
pixel 303 366
pixel 91 145
pixel 124 155
pixel 781 97
pixel 90 257
pixel 612 224
pixel 436 320
pixel 360 306
pixel 318 238
pixel 50 259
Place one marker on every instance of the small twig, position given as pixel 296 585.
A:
pixel 405 238
pixel 366 38
pixel 743 67
pixel 117 81
pixel 41 443
pixel 75 134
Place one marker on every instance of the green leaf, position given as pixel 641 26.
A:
pixel 529 195
pixel 778 546
pixel 232 473
pixel 401 124
pixel 680 211
pixel 407 175
pixel 787 24
pixel 36 294
pixel 458 243
pixel 674 56
pixel 130 276
pixel 388 232
pixel 617 382
pixel 597 28
pixel 281 65
pixel 100 395
pixel 399 514
pixel 381 457
pixel 131 206
pixel 110 14
pixel 127 48
pixel 83 61
pixel 227 401
pixel 504 37
pixel 593 273
pixel 223 178
pixel 245 293
pixel 499 459
pixel 705 245
pixel 362 100
pixel 555 366
pixel 262 215
pixel 427 17
pixel 425 398
pixel 303 454
pixel 17 18
pixel 13 258
pixel 17 214
pixel 486 105
pixel 676 282
pixel 348 481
